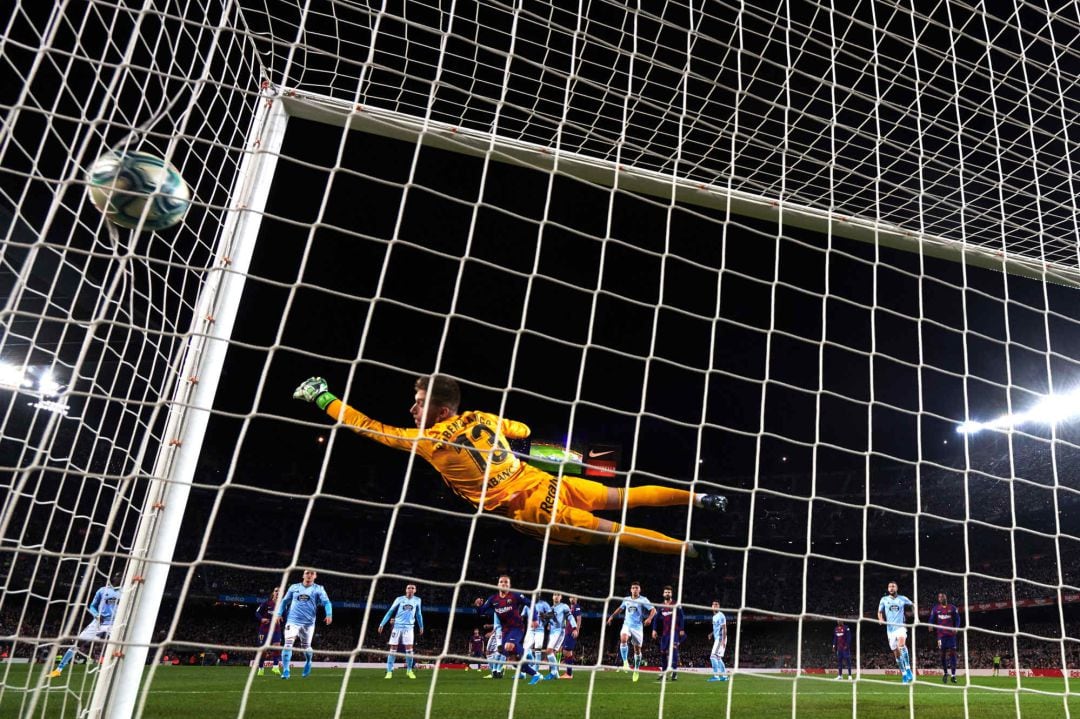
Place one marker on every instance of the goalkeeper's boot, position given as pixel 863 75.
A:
pixel 260 672
pixel 410 674
pixel 714 503
pixel 706 556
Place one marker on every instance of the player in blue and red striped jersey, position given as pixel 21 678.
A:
pixel 511 609
pixel 476 649
pixel 945 621
pixel 670 628
pixel 571 637
pixel 265 615
pixel 841 644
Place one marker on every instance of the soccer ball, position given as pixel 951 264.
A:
pixel 127 185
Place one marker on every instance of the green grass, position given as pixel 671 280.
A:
pixel 206 692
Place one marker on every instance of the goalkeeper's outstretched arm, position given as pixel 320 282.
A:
pixel 316 391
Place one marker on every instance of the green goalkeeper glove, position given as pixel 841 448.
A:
pixel 314 390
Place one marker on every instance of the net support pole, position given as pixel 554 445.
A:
pixel 196 385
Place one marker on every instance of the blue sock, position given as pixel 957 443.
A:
pixel 720 665
pixel 623 652
pixel 409 660
pixel 286 657
pixel 308 656
pixel 390 663
pixel 553 666
pixel 905 658
pixel 68 656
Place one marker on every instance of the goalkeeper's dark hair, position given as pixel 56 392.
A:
pixel 441 390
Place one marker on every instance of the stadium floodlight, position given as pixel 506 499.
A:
pixel 47 385
pixel 1051 410
pixel 11 377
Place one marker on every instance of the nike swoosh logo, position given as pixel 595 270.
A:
pixel 594 453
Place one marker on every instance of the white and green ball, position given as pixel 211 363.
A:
pixel 126 186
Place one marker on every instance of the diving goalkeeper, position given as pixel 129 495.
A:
pixel 470 450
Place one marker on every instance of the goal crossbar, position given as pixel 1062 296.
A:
pixel 716 196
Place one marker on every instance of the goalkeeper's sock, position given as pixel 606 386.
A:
pixel 68 656
pixel 654 496
pixel 390 663
pixel 286 657
pixel 409 660
pixel 623 652
pixel 646 540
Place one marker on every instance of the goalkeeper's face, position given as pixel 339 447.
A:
pixel 424 413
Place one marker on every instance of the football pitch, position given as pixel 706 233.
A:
pixel 206 692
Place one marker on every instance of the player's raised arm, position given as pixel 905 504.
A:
pixel 315 390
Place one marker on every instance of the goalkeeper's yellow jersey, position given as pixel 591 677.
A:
pixel 466 449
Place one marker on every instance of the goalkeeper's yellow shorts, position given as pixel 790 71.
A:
pixel 570 501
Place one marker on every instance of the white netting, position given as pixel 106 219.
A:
pixel 749 252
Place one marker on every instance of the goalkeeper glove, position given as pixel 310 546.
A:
pixel 314 390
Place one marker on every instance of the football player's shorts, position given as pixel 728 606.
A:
pixel 556 640
pixel 948 641
pixel 576 500
pixel 843 655
pixel 569 642
pixel 635 633
pixel 95 631
pixel 401 635
pixel 304 632
pixel 665 641
pixel 512 636
pixel 895 635
pixel 718 647
pixel 533 638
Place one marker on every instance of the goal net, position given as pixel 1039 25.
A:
pixel 821 261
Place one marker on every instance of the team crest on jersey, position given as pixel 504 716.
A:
pixel 303 597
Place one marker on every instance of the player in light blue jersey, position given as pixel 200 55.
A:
pixel 494 650
pixel 300 609
pixel 408 616
pixel 892 610
pixel 560 615
pixel 719 637
pixel 634 621
pixel 539 614
pixel 103 610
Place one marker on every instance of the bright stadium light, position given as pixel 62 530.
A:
pixel 12 377
pixel 47 385
pixel 1050 410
